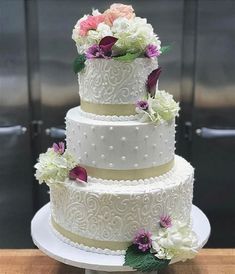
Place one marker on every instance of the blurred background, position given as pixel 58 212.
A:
pixel 38 86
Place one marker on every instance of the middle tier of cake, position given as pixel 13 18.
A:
pixel 120 150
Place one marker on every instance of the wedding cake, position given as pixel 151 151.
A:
pixel 118 187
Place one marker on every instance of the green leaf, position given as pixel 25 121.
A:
pixel 127 57
pixel 79 63
pixel 165 49
pixel 143 261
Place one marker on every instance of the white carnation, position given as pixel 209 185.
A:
pixel 53 167
pixel 176 241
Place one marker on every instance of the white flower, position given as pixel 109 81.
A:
pixel 133 35
pixel 176 241
pixel 94 36
pixel 95 12
pixel 164 105
pixel 161 108
pixel 53 167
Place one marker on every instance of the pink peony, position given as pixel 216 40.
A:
pixel 90 23
pixel 118 10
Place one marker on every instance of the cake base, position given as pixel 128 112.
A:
pixel 95 263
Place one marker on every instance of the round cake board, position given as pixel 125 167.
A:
pixel 94 263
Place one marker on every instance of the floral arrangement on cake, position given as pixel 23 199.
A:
pixel 56 165
pixel 159 105
pixel 116 33
pixel 151 251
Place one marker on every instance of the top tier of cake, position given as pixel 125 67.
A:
pixel 113 82
pixel 117 52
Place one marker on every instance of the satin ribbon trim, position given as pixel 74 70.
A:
pixel 108 109
pixel 130 174
pixel 112 245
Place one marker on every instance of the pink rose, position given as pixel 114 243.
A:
pixel 118 10
pixel 90 23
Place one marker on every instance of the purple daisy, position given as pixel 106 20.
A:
pixel 151 51
pixel 165 221
pixel 143 240
pixel 142 104
pixel 58 148
pixel 94 52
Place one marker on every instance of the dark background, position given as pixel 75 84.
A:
pixel 37 87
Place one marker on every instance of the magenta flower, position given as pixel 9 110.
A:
pixel 78 173
pixel 142 104
pixel 152 51
pixel 106 45
pixel 94 52
pixel 103 50
pixel 143 240
pixel 165 221
pixel 58 148
pixel 152 81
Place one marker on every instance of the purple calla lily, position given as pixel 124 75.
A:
pixel 106 45
pixel 78 173
pixel 103 50
pixel 152 81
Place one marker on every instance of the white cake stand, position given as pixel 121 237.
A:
pixel 94 263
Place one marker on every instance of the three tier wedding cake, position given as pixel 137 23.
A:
pixel 118 187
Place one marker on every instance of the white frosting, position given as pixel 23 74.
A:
pixel 108 117
pixel 110 81
pixel 120 145
pixel 115 212
pixel 86 248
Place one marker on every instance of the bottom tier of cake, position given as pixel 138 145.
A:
pixel 103 215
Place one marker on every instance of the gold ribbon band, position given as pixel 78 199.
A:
pixel 108 109
pixel 129 174
pixel 112 245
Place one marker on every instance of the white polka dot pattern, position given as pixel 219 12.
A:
pixel 119 145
